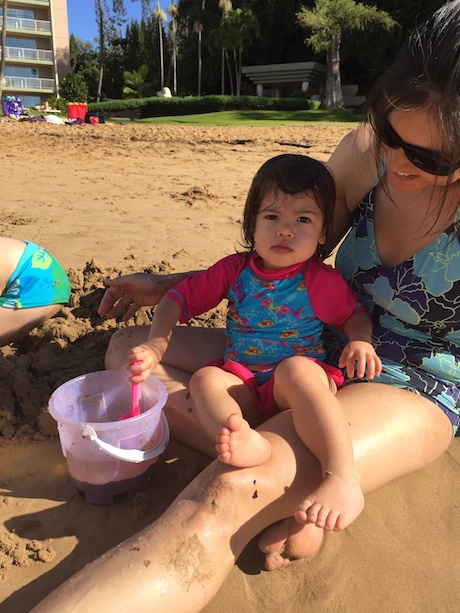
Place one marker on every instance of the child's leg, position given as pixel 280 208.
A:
pixel 303 386
pixel 16 323
pixel 220 400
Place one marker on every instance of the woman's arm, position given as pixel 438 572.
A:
pixel 354 170
pixel 131 292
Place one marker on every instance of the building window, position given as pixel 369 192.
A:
pixel 21 71
pixel 18 13
pixel 21 43
pixel 30 102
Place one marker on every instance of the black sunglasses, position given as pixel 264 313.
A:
pixel 427 160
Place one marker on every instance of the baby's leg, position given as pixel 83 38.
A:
pixel 221 399
pixel 303 386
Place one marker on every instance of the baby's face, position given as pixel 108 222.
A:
pixel 288 229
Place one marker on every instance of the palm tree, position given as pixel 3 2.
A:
pixel 198 29
pixel 239 26
pixel 327 22
pixel 172 10
pixel 136 85
pixel 3 43
pixel 100 8
pixel 225 6
pixel 160 16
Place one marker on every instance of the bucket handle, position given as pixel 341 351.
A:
pixel 129 455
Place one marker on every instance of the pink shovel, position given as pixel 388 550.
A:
pixel 136 392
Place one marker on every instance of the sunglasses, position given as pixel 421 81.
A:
pixel 427 160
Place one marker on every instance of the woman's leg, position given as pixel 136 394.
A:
pixel 179 562
pixel 395 432
pixel 16 323
pixel 220 400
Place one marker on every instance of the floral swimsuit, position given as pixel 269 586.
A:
pixel 414 308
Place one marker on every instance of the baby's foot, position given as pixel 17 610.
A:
pixel 334 505
pixel 287 540
pixel 241 446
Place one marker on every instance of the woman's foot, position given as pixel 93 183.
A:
pixel 241 446
pixel 334 505
pixel 287 540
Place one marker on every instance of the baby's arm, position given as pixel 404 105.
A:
pixel 358 354
pixel 149 354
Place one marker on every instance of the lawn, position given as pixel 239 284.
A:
pixel 255 118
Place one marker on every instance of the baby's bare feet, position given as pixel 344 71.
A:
pixel 334 505
pixel 241 446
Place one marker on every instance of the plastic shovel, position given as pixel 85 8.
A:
pixel 136 393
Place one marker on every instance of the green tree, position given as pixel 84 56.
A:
pixel 174 12
pixel 327 22
pixel 238 27
pixel 225 6
pixel 84 61
pixel 160 16
pixel 74 88
pixel 100 7
pixel 136 83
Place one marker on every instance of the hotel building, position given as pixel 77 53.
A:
pixel 37 49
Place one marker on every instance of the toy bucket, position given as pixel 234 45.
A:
pixel 105 455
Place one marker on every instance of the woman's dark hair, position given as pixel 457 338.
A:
pixel 425 75
pixel 293 175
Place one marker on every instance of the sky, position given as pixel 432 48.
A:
pixel 82 18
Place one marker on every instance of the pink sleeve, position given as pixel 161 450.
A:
pixel 201 292
pixel 332 299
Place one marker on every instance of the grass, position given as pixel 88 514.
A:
pixel 255 118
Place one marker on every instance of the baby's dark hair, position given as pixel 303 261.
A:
pixel 294 175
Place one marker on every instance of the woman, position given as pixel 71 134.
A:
pixel 33 286
pixel 399 191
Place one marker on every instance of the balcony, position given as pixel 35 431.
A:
pixel 29 25
pixel 28 55
pixel 28 83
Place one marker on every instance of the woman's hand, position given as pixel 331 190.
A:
pixel 131 292
pixel 360 357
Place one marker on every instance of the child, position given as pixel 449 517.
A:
pixel 280 295
pixel 33 286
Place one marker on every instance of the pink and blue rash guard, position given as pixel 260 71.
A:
pixel 272 314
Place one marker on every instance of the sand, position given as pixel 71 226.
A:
pixel 113 199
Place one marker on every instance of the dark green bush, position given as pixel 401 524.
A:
pixel 135 108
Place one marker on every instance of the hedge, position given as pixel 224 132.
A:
pixel 142 108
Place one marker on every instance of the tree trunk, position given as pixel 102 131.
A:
pixel 222 75
pixel 174 56
pixel 229 67
pixel 235 63
pixel 199 63
pixel 162 68
pixel 3 45
pixel 101 27
pixel 334 97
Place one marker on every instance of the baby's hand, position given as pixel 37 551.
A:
pixel 360 357
pixel 142 361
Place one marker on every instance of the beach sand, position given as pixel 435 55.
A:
pixel 114 199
